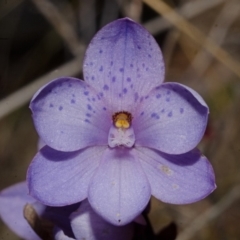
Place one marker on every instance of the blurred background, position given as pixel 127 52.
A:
pixel 200 39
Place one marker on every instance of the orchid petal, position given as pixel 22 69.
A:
pixel 65 111
pixel 119 190
pixel 62 178
pixel 86 224
pixel 12 202
pixel 123 63
pixel 177 179
pixel 172 119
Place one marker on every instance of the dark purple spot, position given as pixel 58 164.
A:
pixel 88 115
pixel 120 95
pixel 155 115
pixel 163 110
pixel 89 107
pixel 111 63
pixel 146 97
pixel 105 87
pixel 121 69
pixel 101 94
pixel 101 69
pixel 73 95
pixel 157 88
pixel 129 79
pixel 170 114
pixel 93 99
pixel 51 105
pixel 138 47
pixel 124 90
pixel 131 65
pixel 60 108
pixel 158 95
pixel 86 120
pixel 73 101
pixel 86 93
pixel 93 78
pixel 104 108
pixel 113 79
pixel 149 55
pixel 181 110
pixel 100 51
pixel 168 92
pixel 142 113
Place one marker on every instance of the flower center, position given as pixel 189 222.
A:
pixel 122 120
pixel 121 133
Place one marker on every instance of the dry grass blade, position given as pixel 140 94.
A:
pixel 210 214
pixel 196 35
pixel 61 25
pixel 19 98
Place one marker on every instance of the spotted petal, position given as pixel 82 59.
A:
pixel 119 190
pixel 65 111
pixel 62 178
pixel 87 224
pixel 177 179
pixel 123 62
pixel 12 201
pixel 172 119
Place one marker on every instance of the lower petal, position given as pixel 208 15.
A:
pixel 86 224
pixel 62 178
pixel 119 190
pixel 178 179
pixel 12 201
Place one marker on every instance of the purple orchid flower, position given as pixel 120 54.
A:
pixel 12 201
pixel 71 222
pixel 120 135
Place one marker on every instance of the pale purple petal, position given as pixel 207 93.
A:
pixel 119 190
pixel 177 179
pixel 172 119
pixel 123 63
pixel 86 224
pixel 12 202
pixel 65 111
pixel 61 178
pixel 60 235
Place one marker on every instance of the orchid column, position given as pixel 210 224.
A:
pixel 121 135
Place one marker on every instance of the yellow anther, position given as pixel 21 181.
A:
pixel 122 120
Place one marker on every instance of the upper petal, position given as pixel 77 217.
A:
pixel 123 62
pixel 86 224
pixel 177 179
pixel 12 201
pixel 172 119
pixel 62 178
pixel 69 115
pixel 119 190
